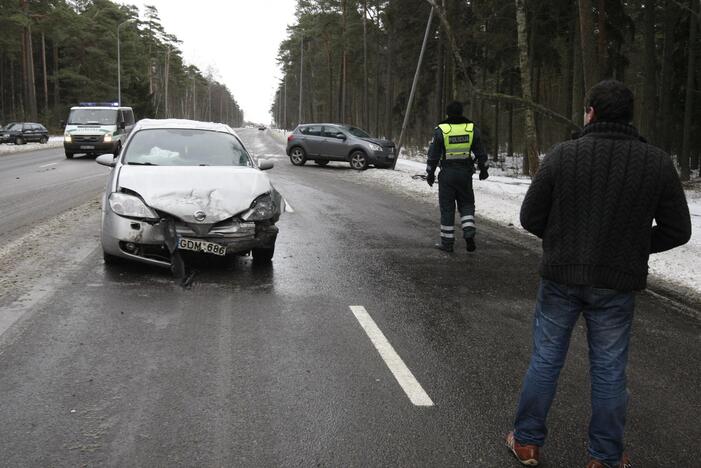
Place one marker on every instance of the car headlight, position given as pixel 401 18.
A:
pixel 67 138
pixel 375 147
pixel 131 206
pixel 261 209
pixel 108 138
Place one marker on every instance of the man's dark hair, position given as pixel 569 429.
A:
pixel 612 102
pixel 454 109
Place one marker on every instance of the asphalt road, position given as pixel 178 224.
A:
pixel 270 366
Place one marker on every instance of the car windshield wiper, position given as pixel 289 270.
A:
pixel 141 164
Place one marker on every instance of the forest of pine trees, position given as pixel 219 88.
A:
pixel 57 53
pixel 357 59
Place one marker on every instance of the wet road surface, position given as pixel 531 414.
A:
pixel 270 366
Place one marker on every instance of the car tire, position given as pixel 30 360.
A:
pixel 43 140
pixel 359 160
pixel 263 254
pixel 321 163
pixel 298 156
pixel 69 155
pixel 19 141
pixel 110 259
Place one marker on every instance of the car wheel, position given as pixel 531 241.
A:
pixel 111 259
pixel 321 163
pixel 19 141
pixel 43 140
pixel 297 156
pixel 359 160
pixel 69 155
pixel 263 255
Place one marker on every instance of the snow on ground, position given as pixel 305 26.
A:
pixel 11 148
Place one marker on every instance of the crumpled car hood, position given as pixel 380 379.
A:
pixel 221 192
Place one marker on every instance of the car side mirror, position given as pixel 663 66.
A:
pixel 106 160
pixel 341 136
pixel 264 165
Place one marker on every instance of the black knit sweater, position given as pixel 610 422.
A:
pixel 593 202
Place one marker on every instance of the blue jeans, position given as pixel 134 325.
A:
pixel 609 317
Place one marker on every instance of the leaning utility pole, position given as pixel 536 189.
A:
pixel 301 78
pixel 413 89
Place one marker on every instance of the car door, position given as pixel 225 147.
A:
pixel 313 139
pixel 334 146
pixel 28 132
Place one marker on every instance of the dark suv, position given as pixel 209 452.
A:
pixel 20 133
pixel 322 143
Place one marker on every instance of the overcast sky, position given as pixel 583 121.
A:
pixel 238 38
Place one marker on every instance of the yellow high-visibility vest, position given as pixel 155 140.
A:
pixel 457 139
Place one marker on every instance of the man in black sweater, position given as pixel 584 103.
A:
pixel 593 202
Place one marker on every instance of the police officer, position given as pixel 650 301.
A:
pixel 453 141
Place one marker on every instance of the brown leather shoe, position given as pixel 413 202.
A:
pixel 624 463
pixel 528 455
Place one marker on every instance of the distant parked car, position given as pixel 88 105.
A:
pixel 322 143
pixel 20 133
pixel 262 127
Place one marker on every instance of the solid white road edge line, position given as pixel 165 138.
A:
pixel 401 372
pixel 47 165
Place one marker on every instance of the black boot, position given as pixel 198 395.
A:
pixel 470 244
pixel 444 247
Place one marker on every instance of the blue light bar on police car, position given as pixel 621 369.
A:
pixel 98 104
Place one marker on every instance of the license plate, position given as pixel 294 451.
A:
pixel 197 245
pixel 87 147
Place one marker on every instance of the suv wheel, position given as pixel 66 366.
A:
pixel 69 155
pixel 43 140
pixel 321 162
pixel 19 141
pixel 297 156
pixel 359 160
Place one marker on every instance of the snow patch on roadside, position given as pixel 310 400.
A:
pixel 11 148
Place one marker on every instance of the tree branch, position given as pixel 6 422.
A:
pixel 474 91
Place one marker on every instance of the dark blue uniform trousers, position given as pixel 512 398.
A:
pixel 455 186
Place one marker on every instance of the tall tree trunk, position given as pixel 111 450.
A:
pixel 577 75
pixel 389 91
pixel 649 116
pixel 495 132
pixel 671 15
pixel 568 72
pixel 377 69
pixel 13 91
pixel 166 80
pixel 344 60
pixel 366 110
pixel 439 80
pixel 689 102
pixel 586 36
pixel 46 80
pixel 602 38
pixel 529 120
pixel 510 142
pixel 57 83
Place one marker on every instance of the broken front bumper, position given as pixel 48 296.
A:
pixel 146 241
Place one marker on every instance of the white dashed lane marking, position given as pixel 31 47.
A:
pixel 401 372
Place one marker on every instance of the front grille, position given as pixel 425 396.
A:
pixel 227 229
pixel 87 138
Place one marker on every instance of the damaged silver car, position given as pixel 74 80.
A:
pixel 181 185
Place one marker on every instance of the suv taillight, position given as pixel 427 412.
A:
pixel 291 137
